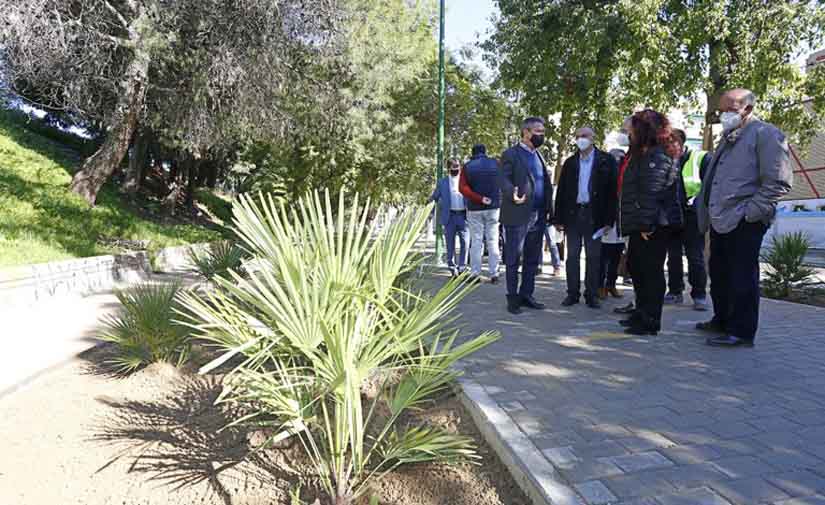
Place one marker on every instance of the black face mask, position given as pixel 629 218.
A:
pixel 537 140
pixel 454 172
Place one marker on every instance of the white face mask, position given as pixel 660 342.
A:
pixel 583 143
pixel 623 139
pixel 730 120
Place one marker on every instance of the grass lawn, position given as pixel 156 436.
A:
pixel 41 220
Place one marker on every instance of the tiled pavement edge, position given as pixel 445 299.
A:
pixel 533 473
pixel 659 420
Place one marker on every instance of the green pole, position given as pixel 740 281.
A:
pixel 441 105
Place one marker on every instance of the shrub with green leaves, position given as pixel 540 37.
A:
pixel 146 328
pixel 338 346
pixel 787 270
pixel 217 259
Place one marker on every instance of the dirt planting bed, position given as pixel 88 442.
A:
pixel 80 435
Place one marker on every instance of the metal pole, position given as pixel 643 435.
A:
pixel 441 105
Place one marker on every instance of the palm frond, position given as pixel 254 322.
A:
pixel 146 328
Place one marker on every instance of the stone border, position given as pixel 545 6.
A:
pixel 533 473
pixel 27 284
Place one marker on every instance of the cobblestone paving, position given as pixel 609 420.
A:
pixel 661 420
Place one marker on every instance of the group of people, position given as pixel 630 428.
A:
pixel 657 197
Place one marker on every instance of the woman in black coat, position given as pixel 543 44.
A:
pixel 649 212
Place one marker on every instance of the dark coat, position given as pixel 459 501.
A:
pixel 650 194
pixel 515 171
pixel 603 195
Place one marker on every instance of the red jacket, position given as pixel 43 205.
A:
pixel 465 189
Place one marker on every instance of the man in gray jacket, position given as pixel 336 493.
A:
pixel 748 174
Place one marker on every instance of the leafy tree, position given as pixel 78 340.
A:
pixel 717 45
pixel 561 58
pixel 198 69
pixel 594 61
pixel 375 135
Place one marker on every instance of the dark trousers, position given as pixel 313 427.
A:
pixel 692 242
pixel 523 246
pixel 581 233
pixel 734 278
pixel 648 267
pixel 456 227
pixel 611 254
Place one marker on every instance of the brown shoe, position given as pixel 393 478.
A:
pixel 615 293
pixel 602 294
pixel 556 271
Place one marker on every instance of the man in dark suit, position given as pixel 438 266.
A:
pixel 586 203
pixel 526 207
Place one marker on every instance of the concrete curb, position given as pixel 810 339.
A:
pixel 530 469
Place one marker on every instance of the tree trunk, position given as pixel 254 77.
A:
pixel 561 145
pixel 174 168
pixel 192 179
pixel 137 162
pixel 718 81
pixel 212 175
pixel 98 167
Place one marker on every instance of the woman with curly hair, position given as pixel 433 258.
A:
pixel 650 212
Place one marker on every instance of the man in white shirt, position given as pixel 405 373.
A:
pixel 586 203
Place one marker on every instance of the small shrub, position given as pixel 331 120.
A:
pixel 786 261
pixel 146 329
pixel 218 259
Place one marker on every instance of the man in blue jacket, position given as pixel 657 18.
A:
pixel 526 208
pixel 452 214
pixel 479 185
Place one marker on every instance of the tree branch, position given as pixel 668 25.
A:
pixel 117 14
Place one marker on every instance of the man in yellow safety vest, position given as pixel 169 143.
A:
pixel 690 241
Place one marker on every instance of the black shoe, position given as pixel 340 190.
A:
pixel 630 322
pixel 514 304
pixel 640 330
pixel 729 341
pixel 570 301
pixel 627 309
pixel 531 303
pixel 494 280
pixel 593 303
pixel 712 326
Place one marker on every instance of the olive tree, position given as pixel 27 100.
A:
pixel 195 70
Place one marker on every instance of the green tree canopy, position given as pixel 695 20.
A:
pixel 595 61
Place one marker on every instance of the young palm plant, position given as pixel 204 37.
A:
pixel 217 259
pixel 145 329
pixel 786 259
pixel 328 310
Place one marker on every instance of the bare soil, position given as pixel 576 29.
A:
pixel 81 435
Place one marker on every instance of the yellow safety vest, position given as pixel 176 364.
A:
pixel 691 173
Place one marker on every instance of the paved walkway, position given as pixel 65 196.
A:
pixel 41 336
pixel 661 420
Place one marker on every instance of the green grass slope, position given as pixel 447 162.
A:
pixel 41 220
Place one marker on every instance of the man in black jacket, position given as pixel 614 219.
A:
pixel 586 203
pixel 526 207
